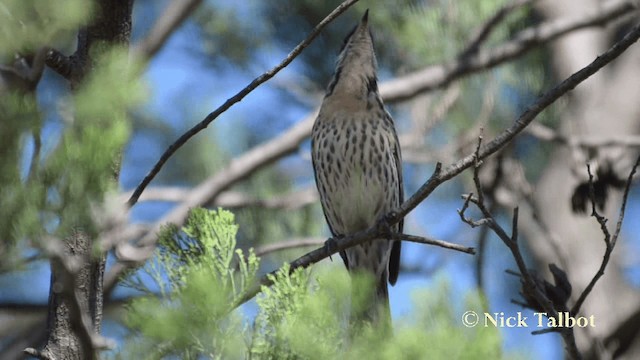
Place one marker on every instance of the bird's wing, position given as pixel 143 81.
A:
pixel 394 259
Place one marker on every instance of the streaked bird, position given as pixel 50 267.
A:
pixel 357 164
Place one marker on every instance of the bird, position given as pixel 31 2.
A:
pixel 357 165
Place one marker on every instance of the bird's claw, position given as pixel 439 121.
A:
pixel 384 224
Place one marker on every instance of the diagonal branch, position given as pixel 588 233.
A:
pixel 288 142
pixel 236 98
pixel 172 17
pixel 407 86
pixel 482 33
pixel 440 176
pixel 437 76
pixel 519 125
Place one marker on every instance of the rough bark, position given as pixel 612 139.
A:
pixel 110 25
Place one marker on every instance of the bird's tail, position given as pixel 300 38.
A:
pixel 374 308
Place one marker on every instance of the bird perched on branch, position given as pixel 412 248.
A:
pixel 357 164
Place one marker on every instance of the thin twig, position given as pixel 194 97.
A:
pixel 482 33
pixel 440 75
pixel 431 77
pixel 436 242
pixel 530 284
pixel 288 245
pixel 439 176
pixel 236 98
pixel 610 241
pixel 602 221
pixel 525 119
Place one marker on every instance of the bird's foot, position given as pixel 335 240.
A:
pixel 383 226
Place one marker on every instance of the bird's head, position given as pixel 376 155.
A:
pixel 356 66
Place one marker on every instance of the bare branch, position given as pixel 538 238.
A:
pixel 525 119
pixel 407 86
pixel 343 243
pixel 172 17
pixel 436 242
pixel 231 199
pixel 236 98
pixel 239 168
pixel 545 133
pixel 437 76
pixel 533 288
pixel 594 212
pixel 289 244
pixel 610 241
pixel 288 142
pixel 481 34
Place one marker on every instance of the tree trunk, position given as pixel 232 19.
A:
pixel 110 25
pixel 606 105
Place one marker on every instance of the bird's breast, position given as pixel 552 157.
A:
pixel 354 162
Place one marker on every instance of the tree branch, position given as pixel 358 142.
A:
pixel 417 82
pixel 525 119
pixel 440 176
pixel 231 199
pixel 289 141
pixel 436 76
pixel 289 244
pixel 236 98
pixel 534 290
pixel 172 17
pixel 609 240
pixel 482 33
pixel 545 133
pixel 436 242
pixel 60 63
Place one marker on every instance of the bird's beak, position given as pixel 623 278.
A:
pixel 365 18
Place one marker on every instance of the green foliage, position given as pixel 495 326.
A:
pixel 444 27
pixel 85 163
pixel 199 274
pixel 437 324
pixel 301 316
pixel 27 25
pixel 62 183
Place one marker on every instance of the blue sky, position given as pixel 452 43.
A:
pixel 178 81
